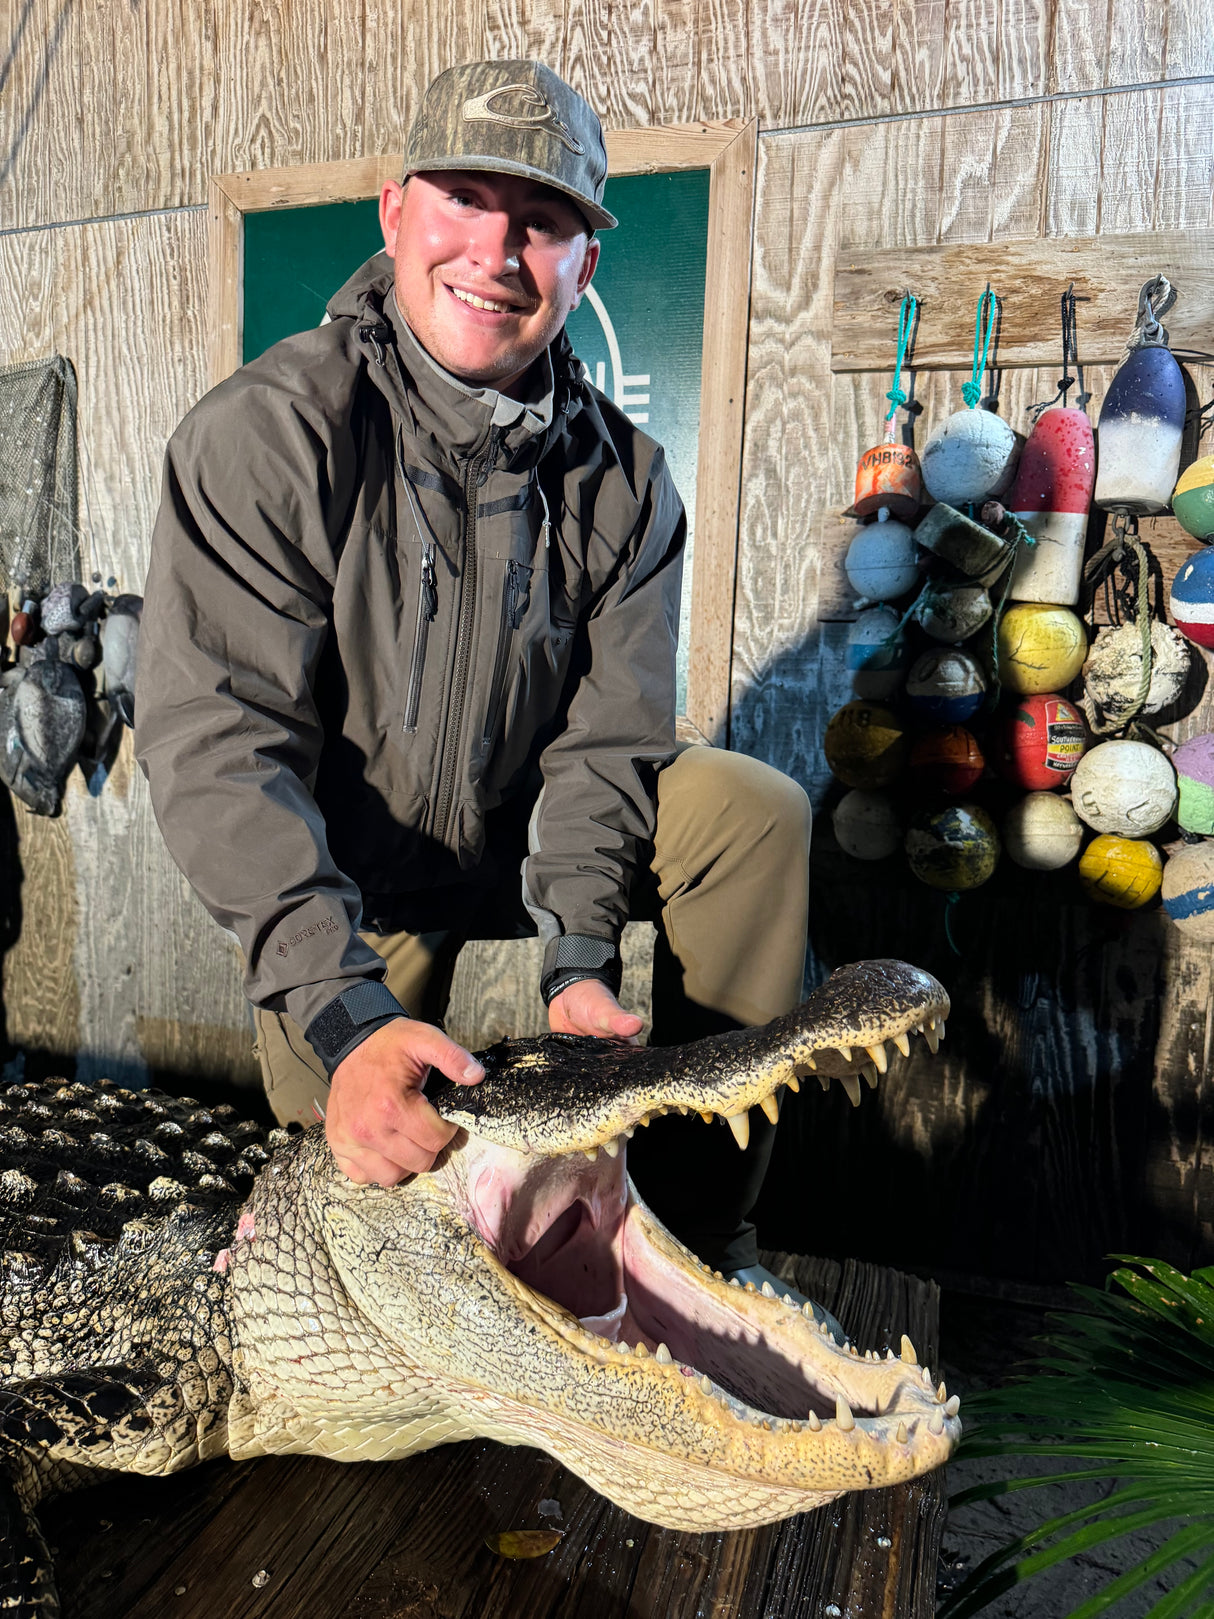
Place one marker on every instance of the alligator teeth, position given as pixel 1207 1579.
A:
pixel 628 1134
pixel 935 1423
pixel 591 1153
pixel 705 1385
pixel 933 1040
pixel 942 1394
pixel 739 1123
pixel 734 1282
pixel 788 1299
pixel 663 1356
pixel 811 1063
pixel 815 1422
pixel 902 1436
pixel 844 1052
pixel 902 1042
pixel 877 1055
pixel 641 1352
pixel 771 1108
pixel 611 1148
pixel 794 1085
pixel 889 1354
pixel 707 1117
pixel 851 1084
pixel 824 1081
pixel 844 1420
pixel 768 1291
pixel 951 1406
pixel 807 1310
pixel 824 1329
pixel 751 1288
pixel 645 1117
pixel 871 1076
pixel 927 1378
pixel 908 1352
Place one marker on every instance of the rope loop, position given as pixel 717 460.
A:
pixel 1155 298
pixel 984 326
pixel 906 325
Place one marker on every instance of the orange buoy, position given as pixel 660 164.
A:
pixel 888 475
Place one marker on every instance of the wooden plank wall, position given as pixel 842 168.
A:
pixel 884 123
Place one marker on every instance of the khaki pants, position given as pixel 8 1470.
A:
pixel 728 888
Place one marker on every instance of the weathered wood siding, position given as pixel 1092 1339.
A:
pixel 1072 1112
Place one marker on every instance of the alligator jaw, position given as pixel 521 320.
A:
pixel 563 1094
pixel 688 1401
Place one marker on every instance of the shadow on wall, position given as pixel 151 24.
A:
pixel 1038 1141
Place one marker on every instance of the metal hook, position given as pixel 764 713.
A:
pixel 1155 298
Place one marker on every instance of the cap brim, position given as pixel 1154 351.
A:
pixel 597 217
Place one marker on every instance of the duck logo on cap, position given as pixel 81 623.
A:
pixel 540 115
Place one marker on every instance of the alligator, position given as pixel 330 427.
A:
pixel 177 1285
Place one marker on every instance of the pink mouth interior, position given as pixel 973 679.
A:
pixel 570 1230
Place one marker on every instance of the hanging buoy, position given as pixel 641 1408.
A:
pixel 947 761
pixel 1193 499
pixel 1112 675
pixel 865 745
pixel 1188 891
pixel 952 614
pixel 1142 418
pixel 1042 832
pixel 971 457
pixel 955 848
pixel 888 475
pixel 968 546
pixel 1051 496
pixel 866 824
pixel 877 653
pixel 945 688
pixel 1039 744
pixel 883 560
pixel 1191 601
pixel 1127 788
pixel 1125 872
pixel 1041 647
pixel 1193 763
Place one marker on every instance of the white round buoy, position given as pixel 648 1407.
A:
pixel 969 458
pixel 1042 832
pixel 867 825
pixel 1128 788
pixel 877 654
pixel 1188 891
pixel 945 687
pixel 883 561
pixel 955 614
pixel 1112 674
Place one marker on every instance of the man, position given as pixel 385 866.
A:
pixel 410 631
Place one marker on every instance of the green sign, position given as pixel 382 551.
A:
pixel 638 332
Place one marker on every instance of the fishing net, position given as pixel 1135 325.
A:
pixel 38 484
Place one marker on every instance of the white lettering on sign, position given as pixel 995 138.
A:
pixel 624 387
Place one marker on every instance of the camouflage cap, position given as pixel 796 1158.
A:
pixel 513 118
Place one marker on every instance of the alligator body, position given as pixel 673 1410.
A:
pixel 177 1286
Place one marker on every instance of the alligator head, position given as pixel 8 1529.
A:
pixel 522 1291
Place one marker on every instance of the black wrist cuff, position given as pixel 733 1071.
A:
pixel 348 1019
pixel 575 956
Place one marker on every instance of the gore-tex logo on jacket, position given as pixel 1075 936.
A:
pixel 325 925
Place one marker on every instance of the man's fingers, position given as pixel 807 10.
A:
pixel 435 1048
pixel 365 1167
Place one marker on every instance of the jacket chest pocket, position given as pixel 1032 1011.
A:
pixel 515 599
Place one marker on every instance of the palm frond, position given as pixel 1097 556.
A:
pixel 1125 1383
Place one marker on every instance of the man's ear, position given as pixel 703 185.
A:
pixel 586 273
pixel 391 201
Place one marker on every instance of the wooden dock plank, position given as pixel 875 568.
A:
pixel 406 1540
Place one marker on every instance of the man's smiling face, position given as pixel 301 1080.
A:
pixel 488 267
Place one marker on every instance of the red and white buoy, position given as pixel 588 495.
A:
pixel 1052 496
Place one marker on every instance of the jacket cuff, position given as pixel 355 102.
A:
pixel 575 956
pixel 347 1020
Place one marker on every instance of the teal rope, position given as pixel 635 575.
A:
pixel 971 391
pixel 906 325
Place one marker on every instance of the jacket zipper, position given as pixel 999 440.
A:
pixel 427 607
pixel 476 475
pixel 512 597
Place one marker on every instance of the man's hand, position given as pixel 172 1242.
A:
pixel 378 1124
pixel 589 1007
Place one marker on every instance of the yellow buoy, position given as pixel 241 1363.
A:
pixel 1041 647
pixel 865 745
pixel 1125 872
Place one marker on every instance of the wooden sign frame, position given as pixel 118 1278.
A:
pixel 727 149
